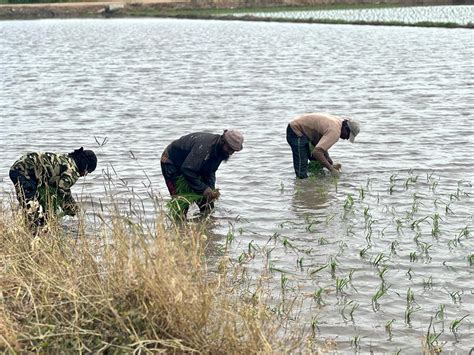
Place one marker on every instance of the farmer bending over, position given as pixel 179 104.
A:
pixel 322 130
pixel 196 157
pixel 43 181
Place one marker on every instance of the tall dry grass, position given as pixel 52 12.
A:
pixel 125 288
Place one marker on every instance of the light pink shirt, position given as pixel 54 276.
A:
pixel 322 129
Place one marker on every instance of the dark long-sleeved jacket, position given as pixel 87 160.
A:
pixel 197 157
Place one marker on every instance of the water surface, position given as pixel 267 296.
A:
pixel 141 83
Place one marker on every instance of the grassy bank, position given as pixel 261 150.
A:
pixel 127 287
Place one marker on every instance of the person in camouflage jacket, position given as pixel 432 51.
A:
pixel 43 181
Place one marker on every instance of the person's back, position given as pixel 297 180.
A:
pixel 194 151
pixel 48 169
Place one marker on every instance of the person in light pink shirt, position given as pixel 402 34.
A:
pixel 323 130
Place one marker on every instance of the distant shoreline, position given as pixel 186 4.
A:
pixel 185 10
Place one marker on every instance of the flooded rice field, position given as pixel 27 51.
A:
pixel 384 257
pixel 461 15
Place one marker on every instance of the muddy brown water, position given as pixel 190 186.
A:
pixel 144 82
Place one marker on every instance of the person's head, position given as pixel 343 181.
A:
pixel 231 141
pixel 86 160
pixel 350 129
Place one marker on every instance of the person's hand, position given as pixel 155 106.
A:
pixel 335 173
pixel 337 166
pixel 211 194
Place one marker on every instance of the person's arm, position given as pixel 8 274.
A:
pixel 320 155
pixel 68 204
pixel 328 158
pixel 210 180
pixel 66 201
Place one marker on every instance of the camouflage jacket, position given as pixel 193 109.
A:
pixel 57 172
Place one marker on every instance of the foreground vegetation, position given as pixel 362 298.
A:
pixel 127 287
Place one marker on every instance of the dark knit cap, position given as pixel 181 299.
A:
pixel 86 160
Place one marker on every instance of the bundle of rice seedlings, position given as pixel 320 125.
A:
pixel 50 200
pixel 186 196
pixel 314 166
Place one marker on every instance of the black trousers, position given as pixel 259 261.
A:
pixel 301 152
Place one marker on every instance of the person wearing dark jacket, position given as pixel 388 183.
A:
pixel 196 157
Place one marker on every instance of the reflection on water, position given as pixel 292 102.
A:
pixel 143 83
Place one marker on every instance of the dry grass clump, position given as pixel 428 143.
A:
pixel 123 289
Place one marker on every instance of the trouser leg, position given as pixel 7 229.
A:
pixel 300 150
pixel 26 193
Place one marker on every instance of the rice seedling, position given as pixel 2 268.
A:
pixel 355 343
pixel 283 282
pixel 318 296
pixel 333 264
pixel 410 296
pixel 431 338
pixel 456 296
pixel 354 307
pixel 470 259
pixel 409 311
pixel 322 241
pixel 341 283
pixel 410 273
pixel 314 326
pixel 286 243
pixel 425 248
pixel 299 263
pixel 391 188
pixel 455 324
pixel 389 327
pixel 379 259
pixel 428 284
pixel 393 247
pixel 441 312
pixel 349 203
pixel 382 290
pixel 445 264
pixel 363 252
pixel 351 273
pixel 342 246
pixel 251 247
pixel 416 238
pixel 399 223
pixel 367 214
pixel 464 233
pixel 413 256
pixel 416 224
pixel 230 237
pixel 382 273
pixel 361 194
pixel 435 226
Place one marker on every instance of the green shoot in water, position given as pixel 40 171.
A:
pixel 455 324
